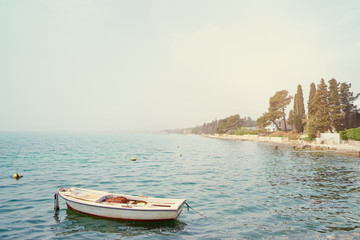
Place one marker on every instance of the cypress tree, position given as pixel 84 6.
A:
pixel 311 107
pixel 334 105
pixel 299 110
pixel 311 127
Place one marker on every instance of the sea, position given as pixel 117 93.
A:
pixel 236 189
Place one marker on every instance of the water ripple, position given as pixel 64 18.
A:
pixel 247 190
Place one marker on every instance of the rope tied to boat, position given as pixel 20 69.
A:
pixel 188 206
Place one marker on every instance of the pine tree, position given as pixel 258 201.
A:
pixel 334 106
pixel 321 106
pixel 277 106
pixel 228 124
pixel 299 110
pixel 348 108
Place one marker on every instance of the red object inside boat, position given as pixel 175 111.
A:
pixel 117 200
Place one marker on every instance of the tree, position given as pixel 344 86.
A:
pixel 291 119
pixel 228 124
pixel 310 126
pixel 206 128
pixel 336 116
pixel 277 106
pixel 311 107
pixel 265 120
pixel 351 117
pixel 248 122
pixel 321 106
pixel 299 110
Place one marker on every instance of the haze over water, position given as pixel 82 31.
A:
pixel 154 65
pixel 247 190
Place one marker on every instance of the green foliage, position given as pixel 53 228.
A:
pixel 350 133
pixel 357 134
pixel 246 131
pixel 290 135
pixel 291 118
pixel 334 105
pixel 343 135
pixel 228 124
pixel 277 106
pixel 311 128
pixel 248 122
pixel 353 133
pixel 329 108
pixel 264 120
pixel 321 105
pixel 309 138
pixel 351 117
pixel 299 110
pixel 206 128
pixel 332 109
pixel 311 106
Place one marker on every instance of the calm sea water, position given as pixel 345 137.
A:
pixel 247 190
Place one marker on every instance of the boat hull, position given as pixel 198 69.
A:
pixel 124 212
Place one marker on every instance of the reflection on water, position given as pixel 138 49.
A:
pixel 75 222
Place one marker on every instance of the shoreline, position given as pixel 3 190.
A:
pixel 343 148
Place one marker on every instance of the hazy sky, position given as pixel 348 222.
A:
pixel 150 65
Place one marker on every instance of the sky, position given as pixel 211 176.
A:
pixel 152 65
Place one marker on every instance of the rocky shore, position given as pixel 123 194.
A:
pixel 343 148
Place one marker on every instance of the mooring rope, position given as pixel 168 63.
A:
pixel 188 206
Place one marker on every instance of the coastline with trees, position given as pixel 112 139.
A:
pixel 331 109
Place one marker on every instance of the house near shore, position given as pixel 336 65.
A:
pixel 281 123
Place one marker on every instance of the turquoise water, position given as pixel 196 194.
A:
pixel 247 190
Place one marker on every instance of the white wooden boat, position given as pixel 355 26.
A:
pixel 119 206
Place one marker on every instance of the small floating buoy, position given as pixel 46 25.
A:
pixel 133 159
pixel 16 176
